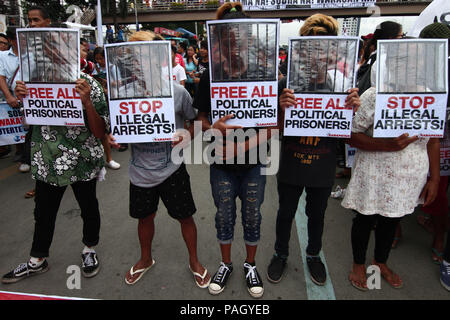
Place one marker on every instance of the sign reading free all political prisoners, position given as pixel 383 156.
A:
pixel 243 55
pixel 412 88
pixel 50 65
pixel 321 70
pixel 140 91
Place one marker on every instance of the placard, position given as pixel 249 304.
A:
pixel 256 5
pixel 50 66
pixel 321 70
pixel 243 56
pixel 412 88
pixel 140 91
pixel 11 127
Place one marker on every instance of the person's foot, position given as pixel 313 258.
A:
pixel 358 277
pixel 23 271
pixel 220 278
pixel 392 278
pixel 316 270
pixel 138 270
pixel 30 194
pixel 90 265
pixel 445 274
pixel 254 283
pixel 201 275
pixel 338 193
pixel 276 268
pixel 437 248
pixel 113 165
pixel 24 167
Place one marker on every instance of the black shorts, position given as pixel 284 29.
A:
pixel 175 193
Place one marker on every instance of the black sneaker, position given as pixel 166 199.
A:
pixel 254 283
pixel 220 278
pixel 276 268
pixel 90 266
pixel 23 271
pixel 316 270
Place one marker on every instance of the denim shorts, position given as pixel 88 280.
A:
pixel 226 186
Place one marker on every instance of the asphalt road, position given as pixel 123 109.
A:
pixel 170 277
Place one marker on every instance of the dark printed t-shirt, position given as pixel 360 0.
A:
pixel 202 102
pixel 307 161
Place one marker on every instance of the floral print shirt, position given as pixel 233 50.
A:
pixel 62 155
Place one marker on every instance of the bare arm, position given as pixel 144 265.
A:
pixel 96 123
pixel 430 190
pixel 10 99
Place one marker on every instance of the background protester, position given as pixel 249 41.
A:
pixel 9 72
pixel 100 75
pixel 228 181
pixel 178 57
pixel 178 73
pixel 153 175
pixel 191 64
pixel 316 176
pixel 4 44
pixel 438 210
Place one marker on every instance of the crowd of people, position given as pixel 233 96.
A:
pixel 389 179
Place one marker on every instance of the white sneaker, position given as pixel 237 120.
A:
pixel 113 165
pixel 338 193
pixel 24 167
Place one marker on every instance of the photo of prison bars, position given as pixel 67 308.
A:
pixel 139 70
pixel 49 56
pixel 322 64
pixel 243 51
pixel 412 66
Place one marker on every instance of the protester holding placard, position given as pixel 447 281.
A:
pixel 389 180
pixel 306 163
pixel 63 156
pixel 232 179
pixel 153 174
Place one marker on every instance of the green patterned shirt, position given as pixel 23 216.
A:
pixel 62 155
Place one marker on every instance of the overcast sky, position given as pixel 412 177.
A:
pixel 368 25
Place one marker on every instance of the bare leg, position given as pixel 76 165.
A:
pixel 107 148
pixel 251 253
pixel 189 232
pixel 146 231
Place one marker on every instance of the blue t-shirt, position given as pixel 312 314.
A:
pixel 190 66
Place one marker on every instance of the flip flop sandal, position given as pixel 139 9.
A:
pixel 30 194
pixel 395 286
pixel 201 277
pixel 357 286
pixel 436 256
pixel 140 271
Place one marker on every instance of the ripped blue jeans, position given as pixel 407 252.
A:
pixel 226 186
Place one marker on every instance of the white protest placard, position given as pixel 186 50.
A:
pixel 140 91
pixel 256 5
pixel 11 127
pixel 412 88
pixel 50 65
pixel 320 71
pixel 243 57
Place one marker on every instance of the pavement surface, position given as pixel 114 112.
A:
pixel 170 278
